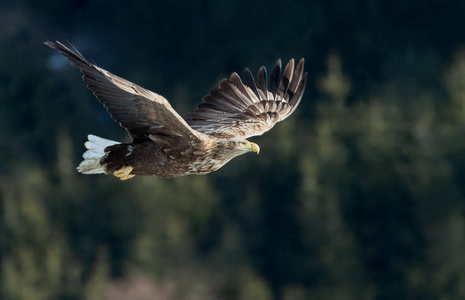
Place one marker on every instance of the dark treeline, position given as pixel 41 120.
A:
pixel 359 195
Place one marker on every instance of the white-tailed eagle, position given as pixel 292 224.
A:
pixel 166 145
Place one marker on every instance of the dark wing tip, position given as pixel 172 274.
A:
pixel 57 45
pixel 250 82
pixel 296 80
pixel 262 84
pixel 75 56
pixel 286 79
pixel 295 100
pixel 50 44
pixel 274 80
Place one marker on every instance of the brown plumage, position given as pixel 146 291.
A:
pixel 166 145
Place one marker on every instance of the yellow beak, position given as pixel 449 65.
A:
pixel 254 148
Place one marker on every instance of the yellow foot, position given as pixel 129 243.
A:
pixel 124 173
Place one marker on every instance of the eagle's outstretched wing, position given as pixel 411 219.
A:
pixel 248 108
pixel 144 114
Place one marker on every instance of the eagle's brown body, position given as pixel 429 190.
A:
pixel 166 145
pixel 150 158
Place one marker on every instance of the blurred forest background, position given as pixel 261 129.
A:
pixel 359 195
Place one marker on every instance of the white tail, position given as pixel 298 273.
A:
pixel 95 151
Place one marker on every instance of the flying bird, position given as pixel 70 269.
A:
pixel 166 145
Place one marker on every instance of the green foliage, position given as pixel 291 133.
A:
pixel 359 195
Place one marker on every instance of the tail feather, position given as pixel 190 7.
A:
pixel 95 152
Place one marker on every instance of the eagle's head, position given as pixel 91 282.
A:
pixel 240 146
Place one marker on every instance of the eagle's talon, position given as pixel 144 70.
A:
pixel 124 173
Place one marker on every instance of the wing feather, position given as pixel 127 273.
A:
pixel 244 90
pixel 274 81
pixel 229 88
pixel 136 109
pixel 296 80
pixel 245 108
pixel 261 83
pixel 250 83
pixel 286 79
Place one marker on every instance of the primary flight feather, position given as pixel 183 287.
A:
pixel 166 145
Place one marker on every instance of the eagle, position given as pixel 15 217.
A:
pixel 166 145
